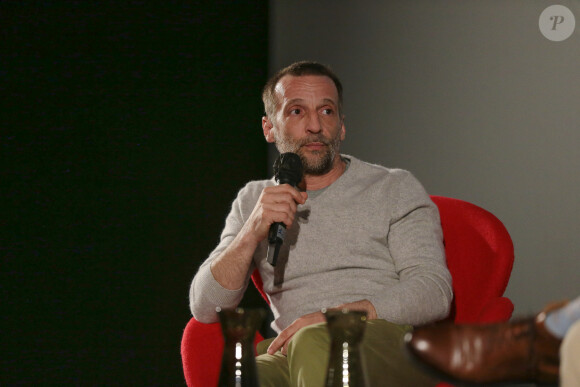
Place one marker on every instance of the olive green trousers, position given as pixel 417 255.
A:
pixel 386 362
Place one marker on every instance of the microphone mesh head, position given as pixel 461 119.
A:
pixel 288 169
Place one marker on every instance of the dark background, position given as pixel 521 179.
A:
pixel 127 129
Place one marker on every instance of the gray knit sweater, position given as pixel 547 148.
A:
pixel 373 234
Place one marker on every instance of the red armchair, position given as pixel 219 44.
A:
pixel 480 257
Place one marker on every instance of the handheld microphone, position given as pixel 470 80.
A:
pixel 287 170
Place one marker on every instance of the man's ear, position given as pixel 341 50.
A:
pixel 342 130
pixel 267 127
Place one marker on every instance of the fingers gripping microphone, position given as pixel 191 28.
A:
pixel 287 170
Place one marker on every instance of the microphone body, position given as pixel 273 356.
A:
pixel 287 170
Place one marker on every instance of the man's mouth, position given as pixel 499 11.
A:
pixel 314 146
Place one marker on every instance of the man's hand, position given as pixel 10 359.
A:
pixel 275 204
pixel 283 339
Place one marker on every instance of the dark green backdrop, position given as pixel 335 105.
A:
pixel 127 129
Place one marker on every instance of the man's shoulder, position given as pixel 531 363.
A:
pixel 377 170
pixel 375 178
pixel 401 188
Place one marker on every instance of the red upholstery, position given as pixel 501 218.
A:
pixel 201 352
pixel 480 257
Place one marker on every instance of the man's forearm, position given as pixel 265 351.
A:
pixel 220 282
pixel 231 267
pixel 275 204
pixel 416 301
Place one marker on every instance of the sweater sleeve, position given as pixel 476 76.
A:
pixel 415 242
pixel 206 294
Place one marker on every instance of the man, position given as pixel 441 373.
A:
pixel 359 236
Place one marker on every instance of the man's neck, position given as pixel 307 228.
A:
pixel 314 183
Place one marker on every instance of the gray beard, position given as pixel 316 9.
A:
pixel 319 166
pixel 314 167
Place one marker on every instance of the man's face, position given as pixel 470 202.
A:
pixel 307 121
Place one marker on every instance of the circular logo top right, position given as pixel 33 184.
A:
pixel 557 23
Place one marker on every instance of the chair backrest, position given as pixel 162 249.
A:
pixel 480 256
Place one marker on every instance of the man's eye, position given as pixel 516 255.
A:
pixel 295 111
pixel 327 111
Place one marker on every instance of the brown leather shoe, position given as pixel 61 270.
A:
pixel 502 352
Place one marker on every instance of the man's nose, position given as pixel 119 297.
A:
pixel 314 125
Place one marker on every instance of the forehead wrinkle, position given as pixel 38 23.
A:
pixel 294 100
pixel 326 101
pixel 284 90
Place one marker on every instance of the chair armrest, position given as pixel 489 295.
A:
pixel 202 347
pixel 201 351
